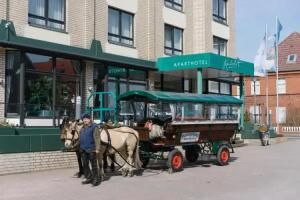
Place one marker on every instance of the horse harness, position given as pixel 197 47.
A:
pixel 108 144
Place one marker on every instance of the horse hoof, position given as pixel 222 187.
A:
pixel 112 169
pixel 124 173
pixel 130 174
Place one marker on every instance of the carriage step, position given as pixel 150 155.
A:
pixel 239 141
pixel 239 144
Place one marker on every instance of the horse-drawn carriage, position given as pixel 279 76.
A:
pixel 160 122
pixel 201 124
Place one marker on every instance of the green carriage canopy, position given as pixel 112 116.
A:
pixel 156 96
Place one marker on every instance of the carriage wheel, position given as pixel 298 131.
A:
pixel 191 155
pixel 175 161
pixel 223 155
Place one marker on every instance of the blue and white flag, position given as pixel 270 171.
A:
pixel 264 60
pixel 279 29
pixel 270 54
pixel 259 59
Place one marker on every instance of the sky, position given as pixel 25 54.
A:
pixel 252 17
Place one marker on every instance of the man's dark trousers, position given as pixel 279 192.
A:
pixel 92 176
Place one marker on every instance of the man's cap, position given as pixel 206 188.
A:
pixel 86 115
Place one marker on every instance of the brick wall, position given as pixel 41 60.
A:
pixel 231 23
pixel 188 32
pixel 38 161
pixel 101 22
pixel 142 28
pixel 290 100
pixel 18 13
pixel 198 28
pixel 2 9
pixel 208 6
pixel 89 28
pixel 151 39
pixel 202 33
pixel 159 29
pixel 149 25
pixel 75 19
pixel 76 22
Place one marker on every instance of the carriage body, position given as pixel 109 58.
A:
pixel 200 124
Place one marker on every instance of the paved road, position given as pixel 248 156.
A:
pixel 255 173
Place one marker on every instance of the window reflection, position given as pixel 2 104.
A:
pixel 38 85
pixel 38 95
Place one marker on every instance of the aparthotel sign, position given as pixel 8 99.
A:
pixel 205 60
pixel 191 63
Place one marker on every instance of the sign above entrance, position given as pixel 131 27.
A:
pixel 205 60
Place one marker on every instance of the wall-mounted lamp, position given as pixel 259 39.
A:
pixel 7 24
pixel 90 89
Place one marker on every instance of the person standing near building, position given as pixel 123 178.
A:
pixel 89 144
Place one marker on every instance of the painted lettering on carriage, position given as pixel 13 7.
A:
pixel 189 137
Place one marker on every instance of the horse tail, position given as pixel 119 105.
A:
pixel 137 160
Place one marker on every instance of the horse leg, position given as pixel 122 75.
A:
pixel 105 164
pixel 100 157
pixel 125 167
pixel 113 160
pixel 130 162
pixel 131 144
pixel 79 160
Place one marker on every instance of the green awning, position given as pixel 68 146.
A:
pixel 205 60
pixel 8 38
pixel 156 96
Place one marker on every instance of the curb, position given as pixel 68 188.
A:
pixel 257 142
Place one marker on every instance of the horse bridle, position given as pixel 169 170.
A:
pixel 73 135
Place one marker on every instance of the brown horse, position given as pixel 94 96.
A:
pixel 69 134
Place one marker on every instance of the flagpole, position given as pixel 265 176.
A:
pixel 267 80
pixel 277 99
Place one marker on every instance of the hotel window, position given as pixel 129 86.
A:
pixel 255 87
pixel 120 27
pixel 281 115
pixel 173 40
pixel 238 92
pixel 47 13
pixel 292 58
pixel 220 46
pixel 281 86
pixel 213 87
pixel 174 4
pixel 225 88
pixel 220 10
pixel 217 87
pixel 255 114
